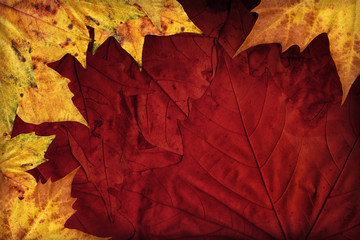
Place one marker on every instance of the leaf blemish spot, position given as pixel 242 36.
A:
pixel 27 164
pixel 48 8
pixel 21 197
pixel 76 55
pixel 54 22
pixel 93 19
pixel 21 94
pixel 34 86
pixel 4 134
pixel 182 29
pixel 70 26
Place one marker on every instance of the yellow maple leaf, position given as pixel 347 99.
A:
pixel 45 23
pixel 131 34
pixel 13 81
pixel 27 28
pixel 20 154
pixel 41 214
pixel 152 8
pixel 299 22
pixel 41 104
pixel 100 14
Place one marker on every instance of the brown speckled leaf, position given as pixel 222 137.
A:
pixel 34 33
pixel 41 214
pixel 131 34
pixel 299 22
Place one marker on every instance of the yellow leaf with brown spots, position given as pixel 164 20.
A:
pixel 152 8
pixel 61 26
pixel 46 23
pixel 20 154
pixel 41 104
pixel 15 74
pixel 131 34
pixel 41 214
pixel 102 15
pixel 300 21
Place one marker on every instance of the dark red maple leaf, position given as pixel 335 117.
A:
pixel 200 145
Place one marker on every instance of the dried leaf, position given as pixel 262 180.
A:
pixel 32 27
pixel 266 135
pixel 51 99
pixel 181 68
pixel 101 15
pixel 16 74
pixel 41 214
pixel 255 149
pixel 20 154
pixel 131 34
pixel 152 8
pixel 299 22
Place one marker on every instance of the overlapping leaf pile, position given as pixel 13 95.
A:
pixel 202 145
pixel 299 22
pixel 33 34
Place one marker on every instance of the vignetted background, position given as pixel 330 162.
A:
pixel 200 145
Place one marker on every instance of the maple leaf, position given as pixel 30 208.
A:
pixel 41 103
pixel 177 74
pixel 152 8
pixel 104 15
pixel 267 136
pixel 41 214
pixel 208 136
pixel 249 147
pixel 104 149
pixel 131 34
pixel 20 154
pixel 299 22
pixel 24 27
pixel 30 26
pixel 13 81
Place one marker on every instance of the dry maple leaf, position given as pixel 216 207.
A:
pixel 60 26
pixel 180 67
pixel 255 149
pixel 51 99
pixel 41 214
pixel 131 34
pixel 20 154
pixel 24 27
pixel 106 146
pixel 152 8
pixel 299 22
pixel 302 139
pixel 102 15
pixel 16 75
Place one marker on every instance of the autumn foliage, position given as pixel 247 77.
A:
pixel 200 135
